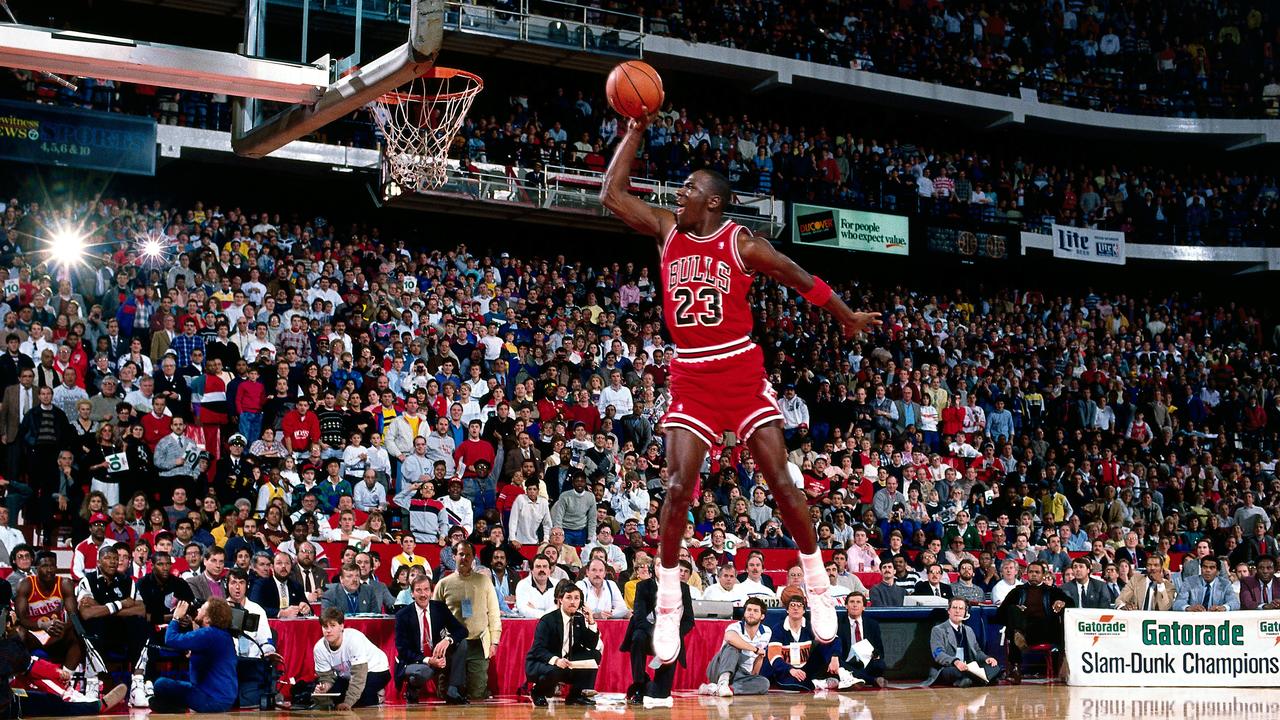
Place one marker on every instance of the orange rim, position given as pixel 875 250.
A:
pixel 437 73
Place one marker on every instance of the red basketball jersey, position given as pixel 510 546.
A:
pixel 705 286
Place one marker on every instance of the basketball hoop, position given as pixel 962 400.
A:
pixel 420 123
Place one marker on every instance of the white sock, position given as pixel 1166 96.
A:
pixel 815 573
pixel 669 594
pixel 724 679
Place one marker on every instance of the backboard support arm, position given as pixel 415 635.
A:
pixel 347 94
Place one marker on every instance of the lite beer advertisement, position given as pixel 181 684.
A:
pixel 850 229
pixel 1101 246
pixel 1173 649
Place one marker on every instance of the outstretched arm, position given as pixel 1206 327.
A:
pixel 636 213
pixel 759 255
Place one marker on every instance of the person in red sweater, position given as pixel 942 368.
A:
pixel 250 395
pixel 156 424
pixel 584 412
pixel 473 449
pixel 301 428
pixel 953 418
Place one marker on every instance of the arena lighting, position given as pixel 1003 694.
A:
pixel 67 246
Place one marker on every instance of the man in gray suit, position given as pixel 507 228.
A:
pixel 953 646
pixel 350 595
pixel 1209 592
pixel 1085 591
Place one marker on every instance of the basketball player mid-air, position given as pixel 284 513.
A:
pixel 718 381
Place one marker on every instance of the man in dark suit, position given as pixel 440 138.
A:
pixel 43 433
pixel 1085 591
pixel 351 596
pixel 280 595
pixel 430 642
pixel 311 577
pixel 1032 614
pixel 562 636
pixel 854 627
pixel 638 641
pixel 933 585
pixel 1262 590
pixel 19 399
pixel 12 362
pixel 172 386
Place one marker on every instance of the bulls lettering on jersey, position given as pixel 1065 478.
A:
pixel 705 285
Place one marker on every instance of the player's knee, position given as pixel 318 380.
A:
pixel 679 488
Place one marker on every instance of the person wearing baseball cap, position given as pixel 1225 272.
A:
pixel 85 555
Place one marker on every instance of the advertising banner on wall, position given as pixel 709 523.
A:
pixel 968 243
pixel 850 229
pixel 1173 649
pixel 71 137
pixel 1101 246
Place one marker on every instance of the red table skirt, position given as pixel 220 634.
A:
pixel 295 640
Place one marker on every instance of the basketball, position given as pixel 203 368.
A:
pixel 790 593
pixel 632 87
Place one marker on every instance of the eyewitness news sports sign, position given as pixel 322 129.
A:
pixel 850 229
pixel 1101 246
pixel 1173 649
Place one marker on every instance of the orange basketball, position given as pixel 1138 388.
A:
pixel 634 87
pixel 790 592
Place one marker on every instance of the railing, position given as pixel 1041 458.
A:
pixel 577 189
pixel 550 22
pixel 572 190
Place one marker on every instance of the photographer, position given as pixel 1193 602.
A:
pixel 213 684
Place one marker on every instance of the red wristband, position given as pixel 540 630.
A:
pixel 819 294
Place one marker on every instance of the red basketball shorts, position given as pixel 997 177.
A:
pixel 725 393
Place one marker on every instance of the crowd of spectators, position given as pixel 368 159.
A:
pixel 277 381
pixel 823 162
pixel 1180 59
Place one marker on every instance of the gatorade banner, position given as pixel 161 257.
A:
pixel 1173 649
pixel 850 229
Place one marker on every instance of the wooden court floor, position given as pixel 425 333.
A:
pixel 1007 702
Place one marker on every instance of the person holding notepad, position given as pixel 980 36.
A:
pixel 862 647
pixel 566 649
pixel 958 659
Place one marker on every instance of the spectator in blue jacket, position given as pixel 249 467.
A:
pixel 1000 423
pixel 213 687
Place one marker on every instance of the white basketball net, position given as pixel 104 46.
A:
pixel 420 122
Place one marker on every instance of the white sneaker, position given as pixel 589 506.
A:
pixel 666 634
pixel 707 689
pixel 93 687
pixel 723 690
pixel 847 680
pixel 822 615
pixel 652 702
pixel 138 695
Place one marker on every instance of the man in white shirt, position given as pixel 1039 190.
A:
pixel 530 520
pixel 1008 581
pixel 600 595
pixel 348 664
pixel 735 670
pixel 727 589
pixel 604 540
pixel 617 395
pixel 536 594
pixel 250 644
pixel 10 537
